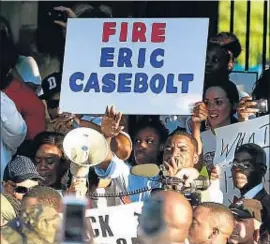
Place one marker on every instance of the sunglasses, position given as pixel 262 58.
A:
pixel 52 103
pixel 21 189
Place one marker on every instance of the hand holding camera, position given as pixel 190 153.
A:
pixel 59 16
pixel 248 107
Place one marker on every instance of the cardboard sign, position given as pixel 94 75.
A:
pixel 228 139
pixel 115 224
pixel 146 66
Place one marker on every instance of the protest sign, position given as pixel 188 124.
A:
pixel 146 66
pixel 228 139
pixel 115 224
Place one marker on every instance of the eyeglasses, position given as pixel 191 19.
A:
pixel 242 165
pixel 52 104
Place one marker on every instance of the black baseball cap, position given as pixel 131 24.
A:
pixel 247 208
pixel 21 168
pixel 51 85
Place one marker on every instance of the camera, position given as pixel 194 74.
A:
pixel 261 105
pixel 73 227
pixel 57 15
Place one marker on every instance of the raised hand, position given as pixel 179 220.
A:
pixel 171 166
pixel 70 14
pixel 110 125
pixel 65 123
pixel 244 108
pixel 199 112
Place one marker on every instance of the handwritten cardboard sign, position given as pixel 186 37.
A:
pixel 146 66
pixel 115 224
pixel 229 138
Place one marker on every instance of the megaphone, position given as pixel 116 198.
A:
pixel 84 147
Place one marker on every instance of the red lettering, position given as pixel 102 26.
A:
pixel 158 32
pixel 108 30
pixel 138 32
pixel 123 33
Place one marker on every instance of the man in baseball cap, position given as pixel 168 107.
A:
pixel 51 87
pixel 248 219
pixel 20 176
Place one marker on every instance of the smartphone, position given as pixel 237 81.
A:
pixel 57 15
pixel 73 226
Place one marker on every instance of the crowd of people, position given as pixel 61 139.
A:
pixel 36 170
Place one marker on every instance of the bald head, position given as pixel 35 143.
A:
pixel 177 214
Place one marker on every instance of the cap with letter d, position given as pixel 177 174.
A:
pixel 85 146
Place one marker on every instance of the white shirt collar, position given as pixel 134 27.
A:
pixel 253 192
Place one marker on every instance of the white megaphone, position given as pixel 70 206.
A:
pixel 84 147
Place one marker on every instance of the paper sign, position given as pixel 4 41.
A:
pixel 228 139
pixel 141 66
pixel 115 224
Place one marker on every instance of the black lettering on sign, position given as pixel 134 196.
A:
pixel 266 134
pixel 121 241
pixel 95 231
pixel 104 225
pixel 227 148
pixel 252 138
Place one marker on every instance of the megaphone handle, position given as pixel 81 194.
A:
pixel 78 194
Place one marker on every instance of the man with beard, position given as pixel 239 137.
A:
pixel 248 169
pixel 180 156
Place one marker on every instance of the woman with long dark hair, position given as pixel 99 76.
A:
pixel 220 100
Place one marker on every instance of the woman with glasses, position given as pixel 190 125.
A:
pixel 20 176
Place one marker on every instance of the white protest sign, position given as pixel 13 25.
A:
pixel 228 139
pixel 115 224
pixel 141 66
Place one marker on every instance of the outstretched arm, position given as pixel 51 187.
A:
pixel 110 127
pixel 199 115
